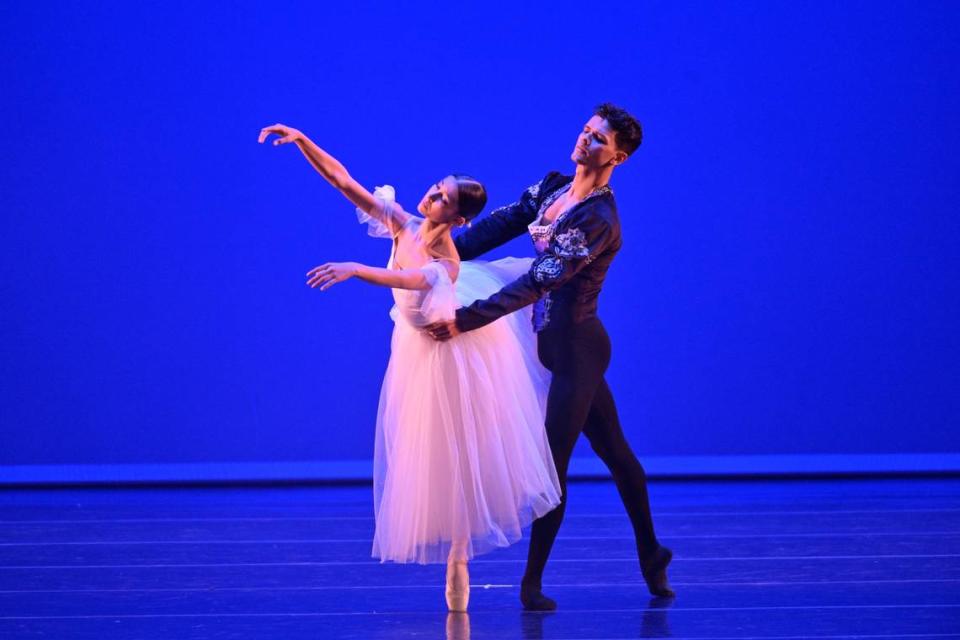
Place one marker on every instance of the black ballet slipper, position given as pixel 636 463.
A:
pixel 533 599
pixel 655 573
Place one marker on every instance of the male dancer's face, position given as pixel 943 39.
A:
pixel 596 147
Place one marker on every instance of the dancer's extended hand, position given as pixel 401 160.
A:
pixel 287 134
pixel 327 275
pixel 443 330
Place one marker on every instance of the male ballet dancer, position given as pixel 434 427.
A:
pixel 576 233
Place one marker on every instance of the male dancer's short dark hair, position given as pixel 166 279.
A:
pixel 628 132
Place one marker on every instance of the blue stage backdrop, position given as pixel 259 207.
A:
pixel 787 294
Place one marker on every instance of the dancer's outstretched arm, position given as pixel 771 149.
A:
pixel 331 169
pixel 327 275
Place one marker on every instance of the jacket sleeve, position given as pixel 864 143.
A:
pixel 503 224
pixel 569 251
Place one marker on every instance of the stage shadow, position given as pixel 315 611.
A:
pixel 653 622
pixel 458 626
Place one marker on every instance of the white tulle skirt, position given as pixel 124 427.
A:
pixel 461 454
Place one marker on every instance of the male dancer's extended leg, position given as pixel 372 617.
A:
pixel 606 437
pixel 577 360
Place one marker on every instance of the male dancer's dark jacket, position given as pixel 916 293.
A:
pixel 565 279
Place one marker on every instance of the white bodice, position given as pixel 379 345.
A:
pixel 420 307
pixel 417 307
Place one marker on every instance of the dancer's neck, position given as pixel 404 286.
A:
pixel 432 234
pixel 433 229
pixel 587 180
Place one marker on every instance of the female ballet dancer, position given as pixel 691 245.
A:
pixel 461 459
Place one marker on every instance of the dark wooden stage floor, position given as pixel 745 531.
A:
pixel 760 559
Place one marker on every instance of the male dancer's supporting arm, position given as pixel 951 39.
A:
pixel 562 260
pixel 507 222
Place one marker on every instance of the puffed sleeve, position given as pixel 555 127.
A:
pixel 506 223
pixel 440 301
pixel 569 251
pixel 388 218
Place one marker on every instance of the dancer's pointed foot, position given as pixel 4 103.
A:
pixel 458 585
pixel 533 599
pixel 655 573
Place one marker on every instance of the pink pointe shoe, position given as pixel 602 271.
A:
pixel 458 586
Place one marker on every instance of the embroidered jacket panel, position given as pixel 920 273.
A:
pixel 574 254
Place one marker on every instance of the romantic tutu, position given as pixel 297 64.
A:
pixel 461 453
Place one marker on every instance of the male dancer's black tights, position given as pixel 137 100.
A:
pixel 580 400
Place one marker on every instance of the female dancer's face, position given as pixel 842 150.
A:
pixel 596 146
pixel 440 204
